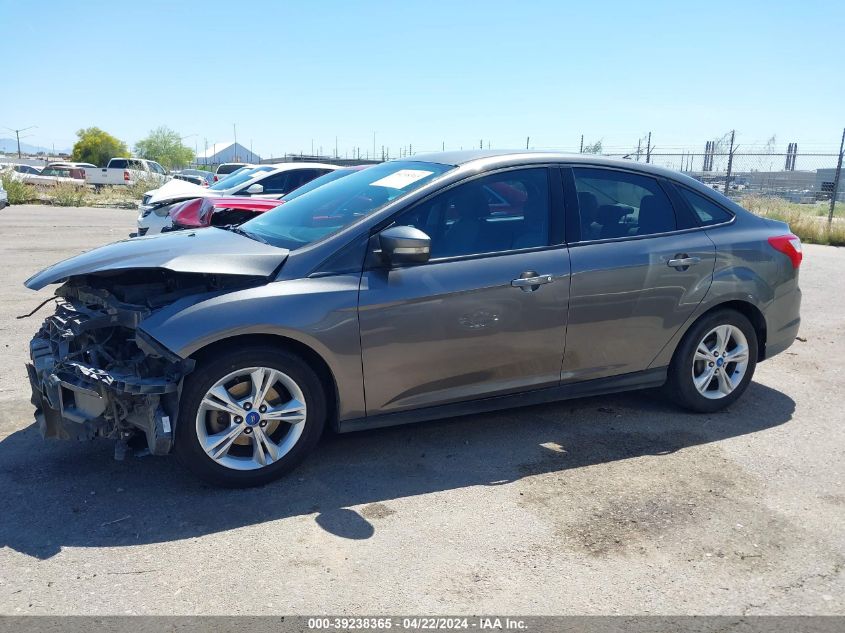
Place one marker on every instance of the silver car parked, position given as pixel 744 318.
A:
pixel 449 284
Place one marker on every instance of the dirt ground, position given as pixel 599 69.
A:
pixel 612 505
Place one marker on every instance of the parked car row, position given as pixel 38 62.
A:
pixel 452 283
pixel 265 181
pixel 118 172
pixel 235 210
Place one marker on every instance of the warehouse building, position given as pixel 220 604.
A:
pixel 229 152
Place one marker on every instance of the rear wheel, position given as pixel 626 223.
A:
pixel 248 416
pixel 714 363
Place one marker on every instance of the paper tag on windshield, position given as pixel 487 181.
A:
pixel 401 178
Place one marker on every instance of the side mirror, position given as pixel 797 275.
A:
pixel 404 245
pixel 255 189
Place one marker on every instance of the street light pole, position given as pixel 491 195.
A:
pixel 18 136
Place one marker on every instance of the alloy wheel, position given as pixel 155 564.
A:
pixel 251 418
pixel 720 362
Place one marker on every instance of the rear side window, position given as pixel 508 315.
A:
pixel 707 211
pixel 228 168
pixel 615 204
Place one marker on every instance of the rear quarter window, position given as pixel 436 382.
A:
pixel 708 212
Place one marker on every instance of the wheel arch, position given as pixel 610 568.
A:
pixel 750 312
pixel 746 309
pixel 307 353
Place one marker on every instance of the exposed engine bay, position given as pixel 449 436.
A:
pixel 95 374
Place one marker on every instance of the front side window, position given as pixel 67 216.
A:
pixel 500 212
pixel 615 204
pixel 299 177
pixel 277 183
pixel 338 204
pixel 707 211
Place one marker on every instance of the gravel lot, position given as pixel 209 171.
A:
pixel 612 505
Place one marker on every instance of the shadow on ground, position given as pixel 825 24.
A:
pixel 58 494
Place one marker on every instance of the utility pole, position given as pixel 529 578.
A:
pixel 527 138
pixel 836 180
pixel 639 146
pixel 581 150
pixel 730 165
pixel 443 146
pixel 18 136
pixel 648 149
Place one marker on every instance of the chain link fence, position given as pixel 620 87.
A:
pixel 794 177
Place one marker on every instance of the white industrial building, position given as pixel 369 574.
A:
pixel 229 152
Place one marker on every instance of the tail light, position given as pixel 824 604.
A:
pixel 789 245
pixel 125 175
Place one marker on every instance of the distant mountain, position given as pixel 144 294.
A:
pixel 10 146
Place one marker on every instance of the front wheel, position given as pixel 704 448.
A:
pixel 714 363
pixel 248 416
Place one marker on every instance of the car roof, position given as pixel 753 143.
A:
pixel 504 157
pixel 299 165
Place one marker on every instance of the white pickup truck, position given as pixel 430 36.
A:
pixel 126 171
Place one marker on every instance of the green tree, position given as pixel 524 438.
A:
pixel 96 146
pixel 164 146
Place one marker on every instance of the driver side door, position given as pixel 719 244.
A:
pixel 469 323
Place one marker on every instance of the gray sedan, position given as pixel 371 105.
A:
pixel 449 284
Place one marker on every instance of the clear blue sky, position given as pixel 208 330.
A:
pixel 426 73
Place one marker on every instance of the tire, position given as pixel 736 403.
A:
pixel 243 463
pixel 691 366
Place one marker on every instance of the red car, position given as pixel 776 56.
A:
pixel 200 212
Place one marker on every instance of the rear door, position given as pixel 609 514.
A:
pixel 640 266
pixel 486 315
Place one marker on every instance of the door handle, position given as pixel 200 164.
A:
pixel 529 281
pixel 683 261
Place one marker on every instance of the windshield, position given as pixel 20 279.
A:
pixel 318 182
pixel 235 179
pixel 338 204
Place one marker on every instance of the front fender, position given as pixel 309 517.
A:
pixel 320 313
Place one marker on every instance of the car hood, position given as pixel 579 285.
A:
pixel 210 250
pixel 176 190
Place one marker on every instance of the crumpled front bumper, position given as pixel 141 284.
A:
pixel 74 399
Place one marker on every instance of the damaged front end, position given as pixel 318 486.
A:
pixel 95 374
